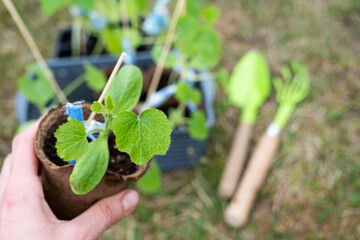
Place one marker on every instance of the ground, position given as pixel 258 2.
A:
pixel 313 188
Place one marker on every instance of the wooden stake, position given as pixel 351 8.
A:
pixel 108 84
pixel 34 49
pixel 169 38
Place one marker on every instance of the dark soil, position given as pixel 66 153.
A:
pixel 119 162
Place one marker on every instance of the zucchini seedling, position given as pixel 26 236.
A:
pixel 36 88
pixel 195 50
pixel 141 136
pixel 115 24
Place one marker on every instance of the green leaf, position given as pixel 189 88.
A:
pixel 176 117
pixel 210 14
pixel 109 104
pixel 71 140
pixel 91 167
pixel 97 107
pixel 222 77
pixel 197 126
pixel 170 60
pixel 132 8
pixel 187 30
pixel 94 77
pixel 142 137
pixel 87 4
pixel 151 181
pixel 143 6
pixel 134 37
pixel 37 90
pixel 108 9
pixel 207 50
pixel 49 7
pixel 193 8
pixel 126 89
pixel 112 40
pixel 184 93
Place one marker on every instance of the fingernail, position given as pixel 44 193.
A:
pixel 129 201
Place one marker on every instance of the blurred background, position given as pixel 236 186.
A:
pixel 312 190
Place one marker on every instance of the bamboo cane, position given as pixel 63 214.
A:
pixel 165 51
pixel 108 84
pixel 34 50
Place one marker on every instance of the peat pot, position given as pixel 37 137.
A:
pixel 56 173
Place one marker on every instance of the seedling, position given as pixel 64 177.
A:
pixel 196 48
pixel 197 121
pixel 102 19
pixel 37 89
pixel 94 77
pixel 141 136
pixel 197 44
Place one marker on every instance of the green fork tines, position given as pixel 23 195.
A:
pixel 295 86
pixel 290 91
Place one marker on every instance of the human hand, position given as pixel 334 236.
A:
pixel 24 212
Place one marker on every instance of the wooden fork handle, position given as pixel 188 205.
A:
pixel 236 214
pixel 235 162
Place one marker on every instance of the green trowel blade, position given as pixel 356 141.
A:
pixel 249 83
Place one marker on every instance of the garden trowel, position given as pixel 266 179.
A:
pixel 249 86
pixel 288 95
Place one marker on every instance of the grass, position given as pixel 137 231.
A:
pixel 313 188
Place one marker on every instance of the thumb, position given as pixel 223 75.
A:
pixel 103 214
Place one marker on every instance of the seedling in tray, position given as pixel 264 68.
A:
pixel 196 49
pixel 101 19
pixel 141 136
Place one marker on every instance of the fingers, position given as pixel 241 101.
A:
pixel 102 215
pixel 24 163
pixel 5 174
pixel 5 170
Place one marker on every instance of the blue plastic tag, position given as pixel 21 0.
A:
pixel 130 53
pixel 74 111
pixel 158 19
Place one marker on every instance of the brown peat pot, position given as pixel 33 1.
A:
pixel 56 173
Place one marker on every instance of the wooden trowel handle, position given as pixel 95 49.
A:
pixel 235 162
pixel 236 214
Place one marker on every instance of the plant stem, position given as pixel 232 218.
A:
pixel 107 124
pixel 182 107
pixel 183 67
pixel 76 38
pixel 125 18
pixel 95 130
pixel 74 85
pixel 172 77
pixel 99 46
pixel 71 87
pixel 111 79
pixel 149 40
